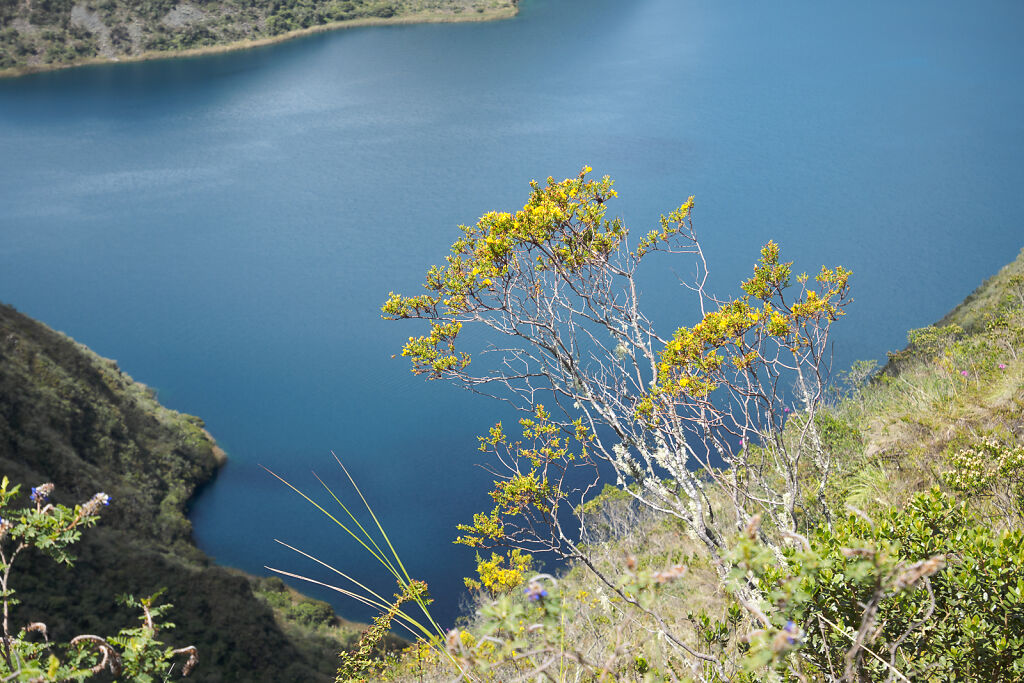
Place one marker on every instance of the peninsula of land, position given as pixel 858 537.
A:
pixel 73 419
pixel 40 35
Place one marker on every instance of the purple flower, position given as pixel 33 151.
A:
pixel 792 629
pixel 93 505
pixel 535 592
pixel 965 373
pixel 41 493
pixel 785 410
pixel 1002 366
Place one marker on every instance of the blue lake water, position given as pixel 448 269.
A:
pixel 226 227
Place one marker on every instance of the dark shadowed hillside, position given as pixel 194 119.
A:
pixel 69 417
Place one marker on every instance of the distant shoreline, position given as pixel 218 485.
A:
pixel 417 18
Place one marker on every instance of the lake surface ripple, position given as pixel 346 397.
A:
pixel 226 227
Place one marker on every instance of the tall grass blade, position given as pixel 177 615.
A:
pixel 431 632
pixel 312 502
pixel 369 538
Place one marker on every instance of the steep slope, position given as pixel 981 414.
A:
pixel 892 434
pixel 956 382
pixel 42 34
pixel 69 417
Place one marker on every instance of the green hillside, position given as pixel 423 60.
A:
pixel 70 417
pixel 44 34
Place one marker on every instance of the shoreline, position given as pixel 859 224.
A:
pixel 404 20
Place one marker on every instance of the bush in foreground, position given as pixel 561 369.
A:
pixel 27 654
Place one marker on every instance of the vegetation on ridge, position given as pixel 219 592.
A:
pixel 70 417
pixel 48 33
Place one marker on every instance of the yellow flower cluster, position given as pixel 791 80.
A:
pixel 692 362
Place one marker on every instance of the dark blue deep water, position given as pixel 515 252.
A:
pixel 227 227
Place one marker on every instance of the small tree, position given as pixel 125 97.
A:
pixel 671 412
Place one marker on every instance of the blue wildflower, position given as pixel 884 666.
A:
pixel 535 592
pixel 41 493
pixel 93 505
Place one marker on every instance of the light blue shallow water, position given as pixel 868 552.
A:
pixel 226 227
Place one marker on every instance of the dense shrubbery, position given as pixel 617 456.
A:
pixel 924 592
pixel 299 609
pixel 292 15
pixel 927 591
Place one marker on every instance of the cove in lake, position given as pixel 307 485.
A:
pixel 226 227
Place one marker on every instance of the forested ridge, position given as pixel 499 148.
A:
pixel 73 419
pixel 40 34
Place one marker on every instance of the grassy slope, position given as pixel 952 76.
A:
pixel 890 436
pixel 46 34
pixel 73 418
pixel 922 406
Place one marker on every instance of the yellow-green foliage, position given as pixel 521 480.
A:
pixel 501 573
pixel 695 360
pixel 921 580
pixel 561 228
pixel 364 662
pixel 533 488
pixel 670 225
